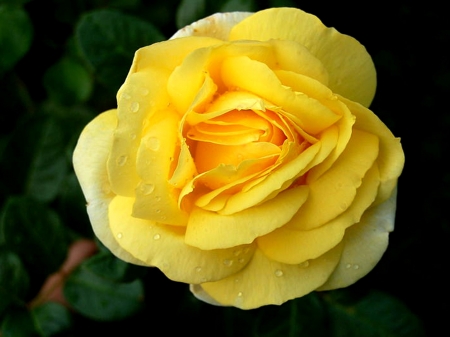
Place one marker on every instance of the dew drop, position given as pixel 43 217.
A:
pixel 304 264
pixel 236 280
pixel 158 211
pixel 240 294
pixel 348 266
pixel 119 235
pixel 278 273
pixel 356 266
pixel 343 206
pixel 133 136
pixel 158 198
pixel 198 269
pixel 228 262
pixel 237 252
pixel 144 91
pixel 153 143
pixel 106 188
pixel 241 260
pixel 147 189
pixel 126 95
pixel 156 237
pixel 121 160
pixel 134 107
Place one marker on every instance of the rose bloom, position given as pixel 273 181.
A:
pixel 242 159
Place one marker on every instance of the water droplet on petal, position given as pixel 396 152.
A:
pixel 126 95
pixel 356 266
pixel 343 206
pixel 228 262
pixel 158 198
pixel 146 189
pixel 144 91
pixel 153 143
pixel 348 266
pixel 278 273
pixel 241 260
pixel 134 107
pixel 304 264
pixel 119 235
pixel 240 294
pixel 237 252
pixel 158 211
pixel 198 269
pixel 133 136
pixel 156 237
pixel 121 160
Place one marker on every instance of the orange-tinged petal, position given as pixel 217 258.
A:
pixel 335 190
pixel 364 245
pixel 210 230
pixel 292 246
pixel 259 79
pixel 163 246
pixel 350 67
pixel 156 197
pixel 264 281
pixel 90 167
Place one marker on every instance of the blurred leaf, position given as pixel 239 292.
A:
pixel 304 317
pixel 18 323
pixel 108 40
pixel 100 299
pixel 35 233
pixel 108 266
pixel 374 315
pixel 239 6
pixel 190 11
pixel 16 34
pixel 68 82
pixel 51 319
pixel 34 160
pixel 14 279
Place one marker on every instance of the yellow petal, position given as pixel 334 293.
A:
pixel 364 245
pixel 156 197
pixel 391 158
pixel 163 246
pixel 335 190
pixel 264 281
pixel 138 100
pixel 259 79
pixel 350 67
pixel 279 179
pixel 89 161
pixel 209 230
pixel 217 25
pixel 292 246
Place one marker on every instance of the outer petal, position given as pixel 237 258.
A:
pixel 350 67
pixel 264 281
pixel 364 245
pixel 163 246
pixel 391 158
pixel 292 246
pixel 89 161
pixel 335 190
pixel 217 25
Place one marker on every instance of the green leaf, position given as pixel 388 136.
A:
pixel 51 319
pixel 14 280
pixel 100 299
pixel 239 6
pixel 68 82
pixel 18 323
pixel 35 233
pixel 108 266
pixel 108 40
pixel 189 11
pixel 34 160
pixel 16 34
pixel 374 315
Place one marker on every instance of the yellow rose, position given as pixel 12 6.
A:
pixel 242 159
